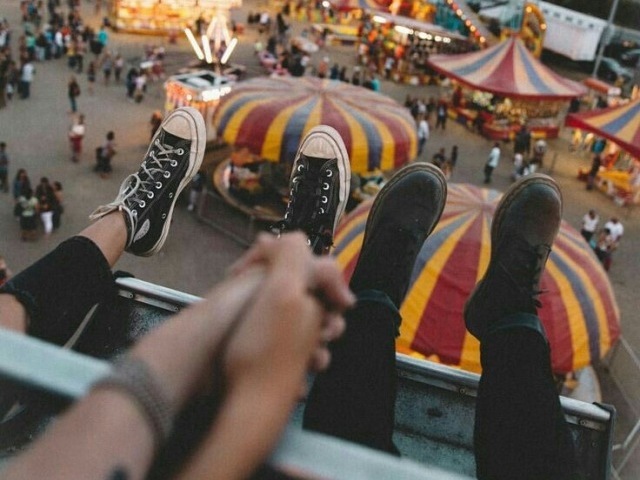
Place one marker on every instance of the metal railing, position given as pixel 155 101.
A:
pixel 619 364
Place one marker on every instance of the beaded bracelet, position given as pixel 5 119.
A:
pixel 132 376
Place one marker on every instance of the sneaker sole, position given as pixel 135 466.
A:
pixel 198 144
pixel 505 202
pixel 402 173
pixel 344 167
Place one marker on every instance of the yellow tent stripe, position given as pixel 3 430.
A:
pixel 272 145
pixel 234 124
pixel 577 326
pixel 350 251
pixel 592 293
pixel 419 294
pixel 359 154
pixel 470 358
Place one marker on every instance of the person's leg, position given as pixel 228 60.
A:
pixel 355 398
pixel 58 290
pixel 47 221
pixel 520 430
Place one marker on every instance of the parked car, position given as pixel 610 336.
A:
pixel 630 57
pixel 611 71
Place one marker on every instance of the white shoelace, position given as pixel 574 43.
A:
pixel 136 190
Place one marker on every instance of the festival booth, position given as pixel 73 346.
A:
pixel 406 44
pixel 162 17
pixel 597 89
pixel 202 90
pixel 619 175
pixel 579 312
pixel 265 119
pixel 505 87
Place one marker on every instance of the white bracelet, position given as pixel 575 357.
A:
pixel 133 376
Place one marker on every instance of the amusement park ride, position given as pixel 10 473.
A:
pixel 217 42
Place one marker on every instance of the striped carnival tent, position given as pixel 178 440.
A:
pixel 579 310
pixel 270 115
pixel 507 69
pixel 619 124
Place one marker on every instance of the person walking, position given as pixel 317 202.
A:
pixel 59 205
pixel 46 204
pixel 20 184
pixel 107 67
pixel 26 77
pixel 91 75
pixel 593 171
pixel 104 154
pixel 441 115
pixel 197 185
pixel 118 65
pixel 4 167
pixel 492 162
pixel 73 92
pixel 28 215
pixel 589 225
pixel 155 121
pixel 76 134
pixel 423 133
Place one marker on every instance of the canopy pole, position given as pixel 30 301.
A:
pixel 606 36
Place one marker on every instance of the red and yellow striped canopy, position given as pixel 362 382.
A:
pixel 619 124
pixel 508 69
pixel 579 310
pixel 270 116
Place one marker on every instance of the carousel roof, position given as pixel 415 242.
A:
pixel 619 124
pixel 508 69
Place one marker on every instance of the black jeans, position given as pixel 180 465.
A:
pixel 520 430
pixel 59 289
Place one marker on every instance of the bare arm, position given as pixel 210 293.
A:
pixel 281 333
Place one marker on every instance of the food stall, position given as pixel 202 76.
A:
pixel 201 89
pixel 398 47
pixel 598 89
pixel 517 89
pixel 619 175
pixel 162 17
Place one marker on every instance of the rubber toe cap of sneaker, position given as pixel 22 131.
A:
pixel 179 126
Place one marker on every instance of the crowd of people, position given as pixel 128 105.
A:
pixel 37 208
pixel 605 240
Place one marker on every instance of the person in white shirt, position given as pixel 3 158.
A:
pixel 423 133
pixel 589 224
pixel 26 77
pixel 492 162
pixel 616 229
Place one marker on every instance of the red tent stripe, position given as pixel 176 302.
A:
pixel 447 299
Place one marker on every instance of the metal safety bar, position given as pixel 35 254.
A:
pixel 37 365
pixel 435 406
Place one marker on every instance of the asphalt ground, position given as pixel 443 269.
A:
pixel 195 255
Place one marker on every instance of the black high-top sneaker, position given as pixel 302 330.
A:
pixel 320 181
pixel 524 227
pixel 147 198
pixel 403 215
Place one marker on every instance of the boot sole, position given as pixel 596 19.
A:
pixel 402 173
pixel 198 144
pixel 505 202
pixel 344 167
